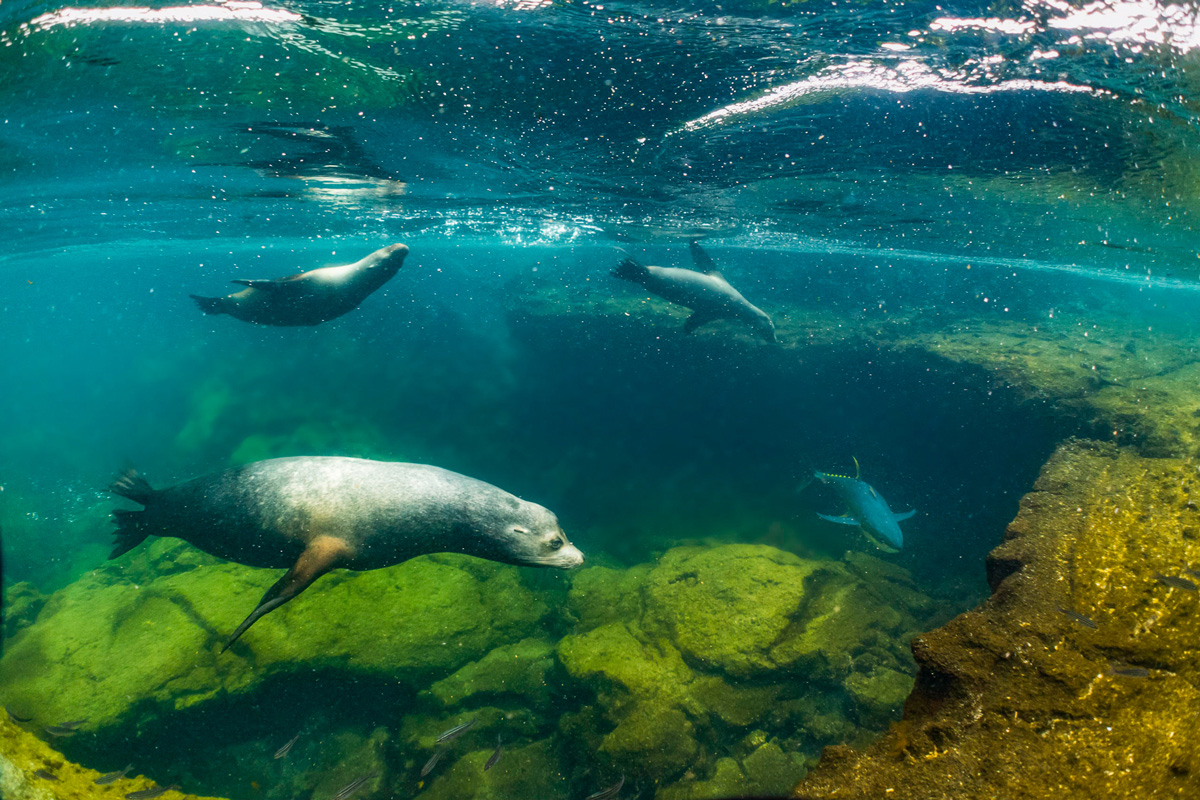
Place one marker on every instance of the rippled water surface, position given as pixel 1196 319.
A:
pixel 1048 131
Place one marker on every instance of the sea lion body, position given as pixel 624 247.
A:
pixel 313 514
pixel 706 293
pixel 308 298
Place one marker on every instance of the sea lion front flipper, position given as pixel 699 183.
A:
pixel 697 319
pixel 322 554
pixel 702 260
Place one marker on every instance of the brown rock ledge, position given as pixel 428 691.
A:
pixel 1017 699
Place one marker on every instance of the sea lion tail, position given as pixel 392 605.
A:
pixel 131 525
pixel 630 270
pixel 209 305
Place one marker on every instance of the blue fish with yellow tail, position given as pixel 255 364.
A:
pixel 867 509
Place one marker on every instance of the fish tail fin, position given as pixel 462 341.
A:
pixel 209 305
pixel 630 270
pixel 131 525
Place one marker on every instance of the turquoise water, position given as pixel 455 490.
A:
pixel 853 169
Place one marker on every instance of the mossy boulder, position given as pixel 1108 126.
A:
pixel 878 696
pixel 22 603
pixel 735 705
pixel 615 661
pixel 103 646
pixel 654 739
pixel 523 771
pixel 727 607
pixel 772 772
pixel 727 780
pixel 602 594
pixel 519 669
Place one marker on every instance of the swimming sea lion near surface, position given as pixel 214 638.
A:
pixel 308 298
pixel 706 293
pixel 314 514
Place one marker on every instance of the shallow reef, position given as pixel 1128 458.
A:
pixel 714 669
pixel 1079 676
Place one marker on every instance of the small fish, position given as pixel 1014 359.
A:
pixel 72 725
pixel 1126 671
pixel 58 730
pixel 112 777
pixel 1086 622
pixel 149 794
pixel 41 773
pixel 353 786
pixel 456 731
pixel 1176 582
pixel 610 792
pixel 432 762
pixel 491 762
pixel 15 717
pixel 283 751
pixel 1195 573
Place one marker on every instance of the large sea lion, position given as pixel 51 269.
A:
pixel 706 292
pixel 314 514
pixel 308 298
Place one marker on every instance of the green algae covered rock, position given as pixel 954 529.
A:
pixel 100 648
pixel 653 738
pixel 22 603
pixel 518 669
pixel 726 607
pixel 613 659
pixel 601 594
pixel 728 780
pixel 879 695
pixel 523 771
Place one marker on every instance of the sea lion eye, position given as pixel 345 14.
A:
pixel 556 543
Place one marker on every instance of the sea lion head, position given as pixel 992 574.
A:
pixel 764 327
pixel 388 259
pixel 529 535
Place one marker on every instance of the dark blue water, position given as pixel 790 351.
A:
pixel 846 165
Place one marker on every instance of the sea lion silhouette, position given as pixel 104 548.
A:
pixel 314 514
pixel 706 293
pixel 308 298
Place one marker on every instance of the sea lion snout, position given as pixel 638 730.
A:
pixel 397 251
pixel 569 557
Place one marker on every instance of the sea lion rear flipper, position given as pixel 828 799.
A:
pixel 697 319
pixel 209 305
pixel 322 554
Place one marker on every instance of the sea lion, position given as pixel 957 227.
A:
pixel 309 298
pixel 706 292
pixel 314 514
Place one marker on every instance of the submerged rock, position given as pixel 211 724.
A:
pixel 31 770
pixel 519 669
pixel 104 646
pixel 1019 698
pixel 735 636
